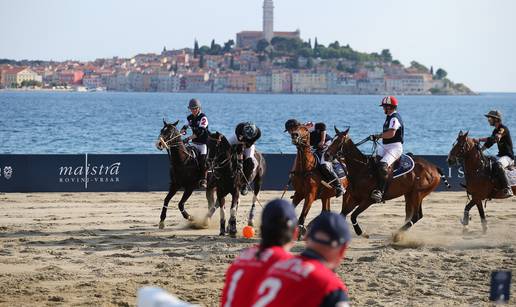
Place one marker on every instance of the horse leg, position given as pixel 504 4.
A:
pixel 232 219
pixel 465 219
pixel 222 203
pixel 171 192
pixel 309 199
pixel 347 204
pixel 326 204
pixel 482 214
pixel 361 208
pixel 412 202
pixel 186 194
pixel 212 205
pixel 257 188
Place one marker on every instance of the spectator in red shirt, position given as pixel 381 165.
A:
pixel 309 279
pixel 278 230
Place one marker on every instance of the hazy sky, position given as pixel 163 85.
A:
pixel 474 40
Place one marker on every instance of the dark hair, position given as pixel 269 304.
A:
pixel 279 235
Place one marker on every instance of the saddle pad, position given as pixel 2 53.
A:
pixel 192 150
pixel 511 174
pixel 339 169
pixel 405 165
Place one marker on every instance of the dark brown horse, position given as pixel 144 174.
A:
pixel 184 168
pixel 477 172
pixel 227 177
pixel 307 180
pixel 415 185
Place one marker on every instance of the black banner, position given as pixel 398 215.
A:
pixel 131 172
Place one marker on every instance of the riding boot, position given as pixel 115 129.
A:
pixel 248 167
pixel 503 181
pixel 332 178
pixel 382 175
pixel 203 171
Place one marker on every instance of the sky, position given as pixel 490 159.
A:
pixel 473 40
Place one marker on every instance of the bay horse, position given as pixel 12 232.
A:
pixel 414 185
pixel 226 176
pixel 477 172
pixel 307 181
pixel 184 169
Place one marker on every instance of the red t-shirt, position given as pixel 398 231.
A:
pixel 246 272
pixel 301 281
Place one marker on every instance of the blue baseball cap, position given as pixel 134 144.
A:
pixel 329 228
pixel 276 211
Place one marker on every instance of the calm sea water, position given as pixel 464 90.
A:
pixel 109 122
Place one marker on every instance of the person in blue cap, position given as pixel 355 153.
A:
pixel 278 232
pixel 309 279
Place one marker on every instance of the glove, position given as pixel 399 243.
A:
pixel 240 166
pixel 375 137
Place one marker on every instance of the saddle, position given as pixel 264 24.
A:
pixel 338 168
pixel 402 166
pixel 192 151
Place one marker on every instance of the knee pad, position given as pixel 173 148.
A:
pixel 383 168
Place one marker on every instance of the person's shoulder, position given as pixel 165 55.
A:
pixel 279 253
pixel 201 115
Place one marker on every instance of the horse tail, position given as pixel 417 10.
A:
pixel 444 178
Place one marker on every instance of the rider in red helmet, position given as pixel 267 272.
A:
pixel 392 145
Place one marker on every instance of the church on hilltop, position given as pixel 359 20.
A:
pixel 249 39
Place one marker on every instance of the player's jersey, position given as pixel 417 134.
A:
pixel 246 272
pixel 301 281
pixel 199 126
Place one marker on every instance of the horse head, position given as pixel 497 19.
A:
pixel 300 136
pixel 460 148
pixel 219 148
pixel 168 136
pixel 339 144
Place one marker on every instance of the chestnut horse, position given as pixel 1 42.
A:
pixel 414 185
pixel 477 172
pixel 307 181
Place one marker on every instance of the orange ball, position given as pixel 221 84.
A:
pixel 248 232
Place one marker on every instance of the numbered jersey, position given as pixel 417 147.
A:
pixel 301 281
pixel 246 273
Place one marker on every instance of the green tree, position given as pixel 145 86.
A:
pixel 310 43
pixel 340 66
pixel 335 45
pixel 196 50
pixel 386 55
pixel 441 74
pixel 419 67
pixel 396 62
pixel 201 61
pixel 262 45
pixel 309 63
pixel 228 46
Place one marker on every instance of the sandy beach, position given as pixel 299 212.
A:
pixel 97 249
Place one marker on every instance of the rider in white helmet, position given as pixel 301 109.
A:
pixel 246 134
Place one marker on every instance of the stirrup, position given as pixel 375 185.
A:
pixel 507 192
pixel 244 190
pixel 377 196
pixel 203 183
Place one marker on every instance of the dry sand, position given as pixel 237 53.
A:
pixel 99 248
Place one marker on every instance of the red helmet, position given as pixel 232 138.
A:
pixel 389 101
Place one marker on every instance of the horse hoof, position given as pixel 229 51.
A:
pixel 484 229
pixel 161 225
pixel 365 235
pixel 250 223
pixel 222 234
pixel 397 237
pixel 302 232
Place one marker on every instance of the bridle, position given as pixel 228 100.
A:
pixel 173 143
pixel 465 149
pixel 213 163
pixel 339 154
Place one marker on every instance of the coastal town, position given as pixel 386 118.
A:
pixel 264 61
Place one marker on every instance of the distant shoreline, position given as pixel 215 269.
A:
pixel 73 90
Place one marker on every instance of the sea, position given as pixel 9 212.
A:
pixel 38 122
